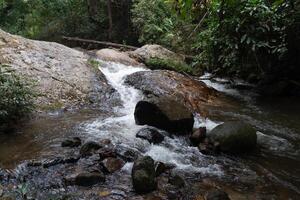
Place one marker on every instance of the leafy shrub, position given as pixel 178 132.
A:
pixel 166 64
pixel 44 19
pixel 244 36
pixel 16 94
pixel 154 21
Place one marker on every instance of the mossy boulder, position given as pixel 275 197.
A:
pixel 234 137
pixel 143 175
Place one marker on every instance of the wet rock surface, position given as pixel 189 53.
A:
pixel 74 142
pixel 164 114
pixel 234 137
pixel 112 164
pixel 89 147
pixel 143 175
pixel 193 94
pixel 151 135
pixel 89 179
pixel 198 136
pixel 216 194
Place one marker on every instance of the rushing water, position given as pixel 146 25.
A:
pixel 274 169
pixel 121 128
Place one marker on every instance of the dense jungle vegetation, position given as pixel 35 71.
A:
pixel 257 40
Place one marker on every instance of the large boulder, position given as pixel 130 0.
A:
pixel 143 175
pixel 234 137
pixel 155 51
pixel 168 84
pixel 113 55
pixel 62 75
pixel 165 114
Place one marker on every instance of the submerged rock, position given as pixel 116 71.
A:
pixel 216 194
pixel 89 147
pixel 165 114
pixel 234 137
pixel 151 135
pixel 74 142
pixel 143 175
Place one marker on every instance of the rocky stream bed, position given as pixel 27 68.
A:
pixel 145 134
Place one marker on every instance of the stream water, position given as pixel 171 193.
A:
pixel 274 169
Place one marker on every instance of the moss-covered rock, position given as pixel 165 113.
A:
pixel 168 64
pixel 234 137
pixel 143 175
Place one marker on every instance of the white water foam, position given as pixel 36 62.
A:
pixel 121 129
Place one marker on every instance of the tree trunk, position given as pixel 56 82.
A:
pixel 109 19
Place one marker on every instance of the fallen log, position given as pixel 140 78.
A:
pixel 111 44
pixel 108 44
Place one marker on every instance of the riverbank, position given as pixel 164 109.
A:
pixel 35 164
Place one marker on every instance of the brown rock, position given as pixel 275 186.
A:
pixel 113 164
pixel 198 136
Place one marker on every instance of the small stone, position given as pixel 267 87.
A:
pixel 177 181
pixel 160 168
pixel 216 194
pixel 198 136
pixel 89 147
pixel 113 164
pixel 89 179
pixel 151 135
pixel 106 153
pixel 129 155
pixel 74 142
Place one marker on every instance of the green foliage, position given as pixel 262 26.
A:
pixel 16 94
pixel 243 36
pixel 46 19
pixel 94 63
pixel 154 21
pixel 166 64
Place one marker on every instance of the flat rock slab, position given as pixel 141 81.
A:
pixel 62 75
pixel 195 95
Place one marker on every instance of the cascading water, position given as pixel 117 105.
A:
pixel 121 128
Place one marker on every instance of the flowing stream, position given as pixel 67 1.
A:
pixel 121 128
pixel 274 169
